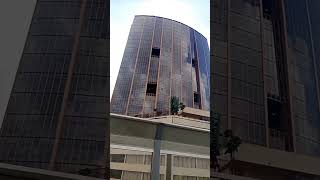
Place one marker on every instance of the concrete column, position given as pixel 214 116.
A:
pixel 155 165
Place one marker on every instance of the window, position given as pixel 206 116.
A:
pixel 193 62
pixel 115 174
pixel 185 162
pixel 151 89
pixel 117 158
pixel 179 177
pixel 274 111
pixel 196 97
pixel 267 8
pixel 155 52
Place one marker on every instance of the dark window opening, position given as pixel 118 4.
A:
pixel 274 110
pixel 195 97
pixel 117 158
pixel 205 119
pixel 151 89
pixel 115 174
pixel 193 62
pixel 267 8
pixel 155 52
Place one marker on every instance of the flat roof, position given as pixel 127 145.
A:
pixel 196 112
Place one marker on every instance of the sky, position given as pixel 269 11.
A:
pixel 13 33
pixel 194 13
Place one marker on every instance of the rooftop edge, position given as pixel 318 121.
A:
pixel 175 21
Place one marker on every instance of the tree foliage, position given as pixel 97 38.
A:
pixel 176 105
pixel 230 144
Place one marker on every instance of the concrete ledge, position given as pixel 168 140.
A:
pixel 174 121
pixel 191 172
pixel 278 159
pixel 134 167
pixel 229 176
pixel 21 172
pixel 196 112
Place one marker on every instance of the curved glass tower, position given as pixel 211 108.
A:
pixel 163 58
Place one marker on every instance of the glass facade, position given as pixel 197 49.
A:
pixel 245 58
pixel 303 55
pixel 237 76
pixel 265 72
pixel 57 113
pixel 162 58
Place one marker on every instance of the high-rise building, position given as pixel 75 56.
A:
pixel 57 113
pixel 163 58
pixel 265 84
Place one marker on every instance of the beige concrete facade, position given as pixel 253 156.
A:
pixel 195 113
pixel 182 121
pixel 252 162
pixel 180 158
pixel 143 170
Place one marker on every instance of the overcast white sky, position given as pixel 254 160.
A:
pixel 194 13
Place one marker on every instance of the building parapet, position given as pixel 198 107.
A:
pixel 14 172
pixel 278 159
pixel 172 120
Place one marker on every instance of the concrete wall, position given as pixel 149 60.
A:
pixel 13 172
pixel 15 19
pixel 272 158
